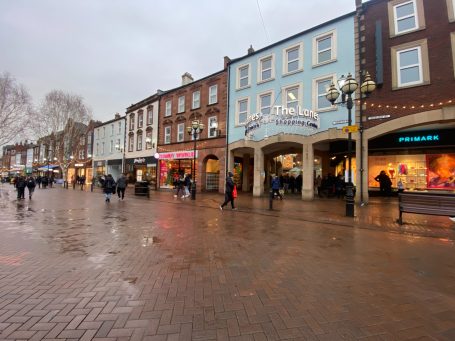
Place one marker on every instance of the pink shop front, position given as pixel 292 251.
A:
pixel 172 164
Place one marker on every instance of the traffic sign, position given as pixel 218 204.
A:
pixel 350 129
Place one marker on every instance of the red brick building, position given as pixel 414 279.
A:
pixel 203 100
pixel 408 47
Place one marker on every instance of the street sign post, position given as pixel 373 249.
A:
pixel 350 129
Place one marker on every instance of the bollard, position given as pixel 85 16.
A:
pixel 193 190
pixel 271 200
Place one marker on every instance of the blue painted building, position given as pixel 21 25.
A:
pixel 279 120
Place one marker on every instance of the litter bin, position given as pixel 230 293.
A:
pixel 141 188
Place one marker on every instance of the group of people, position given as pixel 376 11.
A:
pixel 182 185
pixel 330 185
pixel 22 182
pixel 110 186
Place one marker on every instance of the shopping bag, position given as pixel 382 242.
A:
pixel 234 192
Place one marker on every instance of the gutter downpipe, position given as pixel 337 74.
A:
pixel 227 119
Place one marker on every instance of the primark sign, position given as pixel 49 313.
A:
pixel 282 116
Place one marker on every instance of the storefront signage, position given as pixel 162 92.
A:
pixel 139 160
pixel 418 138
pixel 177 155
pixel 79 165
pixel 380 117
pixel 280 115
pixel 340 122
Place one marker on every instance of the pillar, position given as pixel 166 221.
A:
pixel 259 173
pixel 308 172
pixel 246 172
pixel 362 171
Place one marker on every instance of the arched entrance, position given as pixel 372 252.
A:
pixel 211 175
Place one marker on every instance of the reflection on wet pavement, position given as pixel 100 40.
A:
pixel 73 267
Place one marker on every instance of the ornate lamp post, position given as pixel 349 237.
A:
pixel 121 150
pixel 348 86
pixel 194 131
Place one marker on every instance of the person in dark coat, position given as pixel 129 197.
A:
pixel 38 181
pixel 276 187
pixel 20 185
pixel 31 184
pixel 108 187
pixel 45 181
pixel 228 196
pixel 121 186
pixel 385 184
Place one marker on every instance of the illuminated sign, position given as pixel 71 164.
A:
pixel 418 138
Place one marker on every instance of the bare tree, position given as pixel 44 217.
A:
pixel 15 109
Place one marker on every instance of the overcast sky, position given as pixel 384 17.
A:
pixel 117 52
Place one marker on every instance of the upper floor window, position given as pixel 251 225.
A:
pixel 181 104
pixel 243 76
pixel 89 138
pixel 265 72
pixel 112 129
pixel 82 140
pixel 213 94
pixel 452 39
pixel 196 100
pixel 405 16
pixel 139 140
pixel 150 115
pixel 104 132
pixel 451 9
pixel 265 103
pixel 130 142
pixel 180 132
pixel 111 146
pixel 293 59
pixel 81 154
pixel 132 122
pixel 410 66
pixel 97 150
pixel 102 148
pixel 324 48
pixel 168 108
pixel 119 127
pixel 148 138
pixel 242 111
pixel 167 135
pixel 140 120
pixel 320 86
pixel 212 126
pixel 292 97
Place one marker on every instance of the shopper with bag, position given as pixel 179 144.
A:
pixel 230 190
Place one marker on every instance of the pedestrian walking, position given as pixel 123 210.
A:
pixel 20 186
pixel 31 184
pixel 45 181
pixel 187 184
pixel 276 187
pixel 82 182
pixel 228 196
pixel 121 186
pixel 38 180
pixel 180 186
pixel 108 187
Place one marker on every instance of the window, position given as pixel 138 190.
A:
pixel 180 132
pixel 130 142
pixel 266 72
pixel 139 140
pixel 102 148
pixel 89 138
pixel 242 111
pixel 452 38
pixel 167 135
pixel 97 149
pixel 104 131
pixel 112 129
pixel 168 110
pixel 243 76
pixel 140 119
pixel 293 59
pixel 213 94
pixel 292 97
pixel 320 86
pixel 181 104
pixel 82 140
pixel 119 127
pixel 132 122
pixel 111 147
pixel 196 100
pixel 324 48
pixel 117 146
pixel 148 139
pixel 405 16
pixel 451 9
pixel 265 103
pixel 212 126
pixel 81 154
pixel 410 65
pixel 150 115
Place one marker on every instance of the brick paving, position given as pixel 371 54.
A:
pixel 75 268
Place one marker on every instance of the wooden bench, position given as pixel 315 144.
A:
pixel 426 203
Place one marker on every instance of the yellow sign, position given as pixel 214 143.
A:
pixel 350 129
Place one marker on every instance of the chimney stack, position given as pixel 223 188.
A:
pixel 227 60
pixel 117 116
pixel 251 50
pixel 187 78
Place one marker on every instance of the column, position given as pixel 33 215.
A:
pixel 259 173
pixel 308 172
pixel 362 171
pixel 246 172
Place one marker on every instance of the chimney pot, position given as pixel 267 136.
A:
pixel 251 50
pixel 187 78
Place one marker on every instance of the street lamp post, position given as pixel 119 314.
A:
pixel 348 86
pixel 120 149
pixel 194 131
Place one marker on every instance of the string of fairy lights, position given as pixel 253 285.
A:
pixel 431 105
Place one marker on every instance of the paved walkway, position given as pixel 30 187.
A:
pixel 73 267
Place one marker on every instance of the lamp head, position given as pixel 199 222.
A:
pixel 201 127
pixel 332 93
pixel 189 130
pixel 368 85
pixel 349 85
pixel 195 124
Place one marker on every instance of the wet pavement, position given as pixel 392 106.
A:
pixel 73 267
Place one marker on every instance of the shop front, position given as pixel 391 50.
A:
pixel 172 164
pixel 114 167
pixel 414 160
pixel 100 167
pixel 142 169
